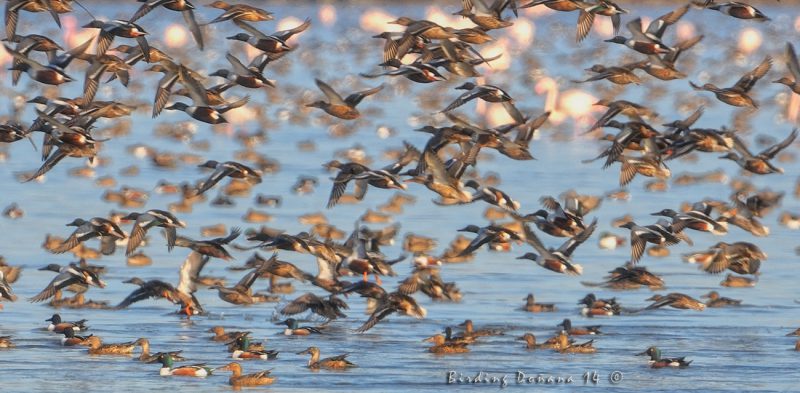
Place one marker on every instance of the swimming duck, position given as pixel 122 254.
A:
pixel 240 12
pixel 243 350
pixel 656 361
pixel 565 346
pixel 183 6
pixel 530 342
pixel 593 306
pixel 96 347
pixel 5 342
pixel 715 300
pixel 566 326
pixel 294 329
pixel 737 281
pixel 532 306
pixel 470 331
pixel 5 289
pixel 737 95
pixel 332 363
pixel 71 339
pixel 221 335
pixel 675 300
pixel 794 69
pixel 338 107
pixel 59 326
pixel 167 369
pixel 147 357
pixel 238 379
pixel 441 346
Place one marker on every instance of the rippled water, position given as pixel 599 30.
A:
pixel 732 349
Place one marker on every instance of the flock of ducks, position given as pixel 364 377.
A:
pixel 424 52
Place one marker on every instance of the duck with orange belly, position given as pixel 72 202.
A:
pixel 196 370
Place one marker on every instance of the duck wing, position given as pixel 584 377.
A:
pixel 792 63
pixel 746 82
pixel 570 245
pixel 585 22
pixel 301 304
pixel 190 270
pixel 354 99
pixel 772 151
pixel 382 312
pixel 196 90
pixel 333 97
pixel 60 281
pixel 188 16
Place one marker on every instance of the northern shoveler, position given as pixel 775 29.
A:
pixel 715 300
pixel 149 219
pixel 441 346
pixel 532 306
pixel 293 328
pixel 675 300
pixel 59 326
pixel 530 342
pixel 332 363
pixel 566 326
pixel 737 95
pixel 238 379
pixel 735 9
pixel 337 106
pixel 71 339
pixel 243 350
pixel 167 369
pixel 656 361
pixel 96 347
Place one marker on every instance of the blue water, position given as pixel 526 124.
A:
pixel 732 349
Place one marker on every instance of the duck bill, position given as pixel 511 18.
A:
pixel 304 352
pixel 641 353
